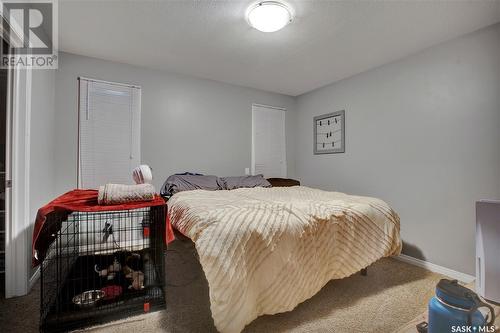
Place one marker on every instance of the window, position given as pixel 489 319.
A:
pixel 109 132
pixel 268 141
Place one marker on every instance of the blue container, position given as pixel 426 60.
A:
pixel 455 307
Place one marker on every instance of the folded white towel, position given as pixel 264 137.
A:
pixel 114 194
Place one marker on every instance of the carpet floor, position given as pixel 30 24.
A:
pixel 393 294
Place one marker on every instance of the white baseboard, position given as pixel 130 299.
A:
pixel 34 278
pixel 462 277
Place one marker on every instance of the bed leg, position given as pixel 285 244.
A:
pixel 364 272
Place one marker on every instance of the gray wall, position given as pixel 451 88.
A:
pixel 42 140
pixel 42 146
pixel 188 124
pixel 423 134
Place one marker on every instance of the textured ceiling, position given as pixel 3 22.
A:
pixel 328 40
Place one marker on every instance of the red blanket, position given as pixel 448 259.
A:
pixel 82 201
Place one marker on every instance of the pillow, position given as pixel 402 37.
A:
pixel 187 182
pixel 283 182
pixel 231 183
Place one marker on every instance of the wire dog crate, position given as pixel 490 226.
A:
pixel 102 266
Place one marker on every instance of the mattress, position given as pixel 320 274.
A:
pixel 266 250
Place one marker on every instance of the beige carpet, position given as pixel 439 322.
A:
pixel 387 299
pixel 391 295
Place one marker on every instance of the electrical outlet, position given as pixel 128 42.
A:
pixel 247 171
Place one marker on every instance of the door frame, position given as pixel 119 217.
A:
pixel 17 219
pixel 18 226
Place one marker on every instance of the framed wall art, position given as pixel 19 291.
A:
pixel 329 133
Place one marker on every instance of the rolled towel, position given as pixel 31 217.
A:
pixel 142 174
pixel 115 194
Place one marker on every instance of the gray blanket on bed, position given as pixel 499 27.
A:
pixel 188 182
pixel 180 183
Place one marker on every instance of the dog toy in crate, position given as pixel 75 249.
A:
pixel 111 292
pixel 132 270
pixel 137 278
pixel 110 271
pixel 134 261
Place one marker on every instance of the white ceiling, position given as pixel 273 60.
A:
pixel 328 40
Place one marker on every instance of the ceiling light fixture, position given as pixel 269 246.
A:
pixel 269 16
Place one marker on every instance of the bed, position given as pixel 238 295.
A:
pixel 266 250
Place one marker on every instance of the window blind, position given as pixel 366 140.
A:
pixel 109 133
pixel 268 141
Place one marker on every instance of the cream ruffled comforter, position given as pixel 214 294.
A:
pixel 265 250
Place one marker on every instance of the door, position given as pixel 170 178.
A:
pixel 268 141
